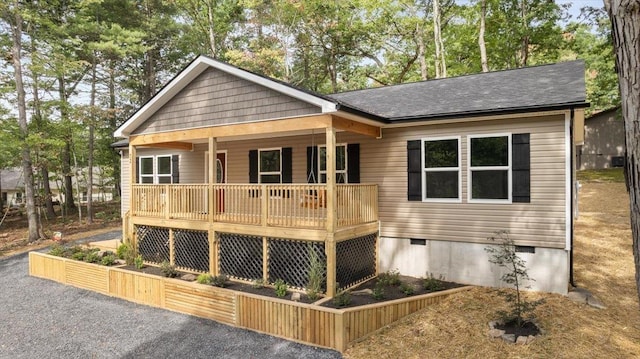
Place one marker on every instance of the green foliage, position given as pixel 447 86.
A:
pixel 378 291
pixel 605 175
pixel 504 255
pixel 220 280
pixel 389 278
pixel 258 283
pixel 125 251
pixel 58 250
pixel 92 257
pixel 342 299
pixel 168 269
pixel 79 256
pixel 407 289
pixel 316 274
pixel 432 284
pixel 280 288
pixel 138 262
pixel 205 278
pixel 108 260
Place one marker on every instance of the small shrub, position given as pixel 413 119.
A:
pixel 125 251
pixel 92 257
pixel 407 289
pixel 431 284
pixel 316 274
pixel 378 291
pixel 108 260
pixel 342 299
pixel 220 281
pixel 204 278
pixel 281 288
pixel 138 261
pixel 57 250
pixel 168 269
pixel 258 283
pixel 79 256
pixel 389 278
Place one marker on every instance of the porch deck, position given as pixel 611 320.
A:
pixel 281 205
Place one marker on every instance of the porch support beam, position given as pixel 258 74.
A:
pixel 212 200
pixel 132 180
pixel 330 243
pixel 185 146
pixel 356 127
pixel 240 129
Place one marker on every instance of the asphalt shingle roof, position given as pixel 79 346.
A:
pixel 530 88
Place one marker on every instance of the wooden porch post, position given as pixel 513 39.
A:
pixel 213 244
pixel 330 242
pixel 133 168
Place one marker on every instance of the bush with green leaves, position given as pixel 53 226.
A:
pixel 280 288
pixel 168 269
pixel 205 278
pixel 407 289
pixel 108 260
pixel 378 291
pixel 125 251
pixel 432 284
pixel 79 256
pixel 389 278
pixel 58 250
pixel 258 283
pixel 316 274
pixel 504 255
pixel 138 262
pixel 342 299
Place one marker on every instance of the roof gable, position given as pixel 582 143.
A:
pixel 196 68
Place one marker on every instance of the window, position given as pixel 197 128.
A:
pixel 269 166
pixel 490 168
pixel 157 169
pixel 341 163
pixel 441 169
pixel 18 197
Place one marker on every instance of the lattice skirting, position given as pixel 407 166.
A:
pixel 355 260
pixel 191 250
pixel 240 256
pixel 153 243
pixel 291 261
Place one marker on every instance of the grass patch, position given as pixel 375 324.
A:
pixel 605 175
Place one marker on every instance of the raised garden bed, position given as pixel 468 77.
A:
pixel 307 323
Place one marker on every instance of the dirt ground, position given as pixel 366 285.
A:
pixel 13 230
pixel 457 328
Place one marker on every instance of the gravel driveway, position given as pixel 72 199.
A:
pixel 44 319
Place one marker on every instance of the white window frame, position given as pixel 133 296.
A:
pixel 345 172
pixel 158 175
pixel 269 173
pixel 441 169
pixel 155 175
pixel 470 169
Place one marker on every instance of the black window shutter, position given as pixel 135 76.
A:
pixel 253 166
pixel 414 171
pixel 287 165
pixel 137 169
pixel 312 164
pixel 175 169
pixel 521 168
pixel 353 163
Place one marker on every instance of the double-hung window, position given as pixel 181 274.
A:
pixel 155 169
pixel 489 168
pixel 441 175
pixel 270 166
pixel 341 163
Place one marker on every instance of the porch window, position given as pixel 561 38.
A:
pixel 441 169
pixel 163 169
pixel 341 163
pixel 490 168
pixel 158 169
pixel 270 166
pixel 146 169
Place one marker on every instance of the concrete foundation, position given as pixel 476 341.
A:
pixel 468 263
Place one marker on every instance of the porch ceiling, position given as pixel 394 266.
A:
pixel 184 139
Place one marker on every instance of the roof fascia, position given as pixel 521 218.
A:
pixel 193 70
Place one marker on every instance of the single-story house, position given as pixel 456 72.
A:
pixel 412 177
pixel 603 141
pixel 11 187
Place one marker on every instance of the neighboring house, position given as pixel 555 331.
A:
pixel 413 177
pixel 603 141
pixel 11 187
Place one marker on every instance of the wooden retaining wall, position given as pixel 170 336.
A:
pixel 306 323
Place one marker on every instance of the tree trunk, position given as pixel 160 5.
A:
pixel 92 103
pixel 27 168
pixel 114 124
pixel 441 66
pixel 419 36
pixel 481 43
pixel 625 24
pixel 212 35
pixel 524 46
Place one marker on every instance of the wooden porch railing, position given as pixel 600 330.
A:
pixel 278 205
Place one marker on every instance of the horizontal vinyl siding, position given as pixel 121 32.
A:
pixel 216 98
pixel 125 186
pixel 539 223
